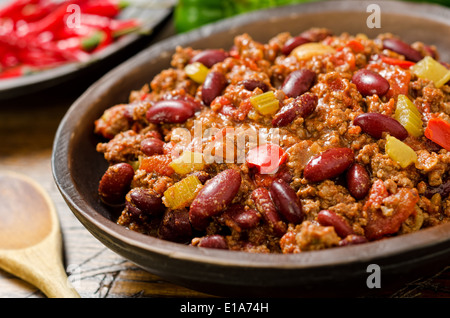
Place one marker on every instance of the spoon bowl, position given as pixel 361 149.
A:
pixel 30 236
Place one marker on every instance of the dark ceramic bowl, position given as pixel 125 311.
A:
pixel 77 168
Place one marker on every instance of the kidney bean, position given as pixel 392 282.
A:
pixel 400 47
pixel 316 34
pixel 443 189
pixel 115 183
pixel 265 206
pixel 152 146
pixel 170 111
pixel 214 197
pixel 202 176
pixel 302 106
pixel 146 201
pixel 298 82
pixel 330 218
pixel 209 57
pixel 358 181
pixel 251 84
pixel 376 124
pixel 213 241
pixel 369 83
pixel 213 86
pixel 328 164
pixel 175 226
pixel 292 43
pixel 353 239
pixel 286 115
pixel 239 218
pixel 286 201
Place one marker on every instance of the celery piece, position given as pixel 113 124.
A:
pixel 196 71
pixel 189 161
pixel 308 50
pixel 265 103
pixel 429 68
pixel 409 116
pixel 182 193
pixel 400 152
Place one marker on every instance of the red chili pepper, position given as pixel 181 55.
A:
pixel 393 61
pixel 122 27
pixel 106 8
pixel 36 11
pixel 13 72
pixel 56 19
pixel 14 8
pixel 266 158
pixel 438 130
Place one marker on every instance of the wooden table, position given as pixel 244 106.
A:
pixel 27 127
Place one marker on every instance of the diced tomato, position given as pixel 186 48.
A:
pixel 158 164
pixel 402 204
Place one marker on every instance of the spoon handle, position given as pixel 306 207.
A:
pixel 40 265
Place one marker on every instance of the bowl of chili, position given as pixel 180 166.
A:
pixel 78 167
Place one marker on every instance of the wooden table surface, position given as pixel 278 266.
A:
pixel 27 126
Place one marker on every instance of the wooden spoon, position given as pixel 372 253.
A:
pixel 30 236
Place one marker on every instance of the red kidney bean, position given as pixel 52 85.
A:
pixel 328 164
pixel 316 34
pixel 302 106
pixel 330 218
pixel 240 217
pixel 209 57
pixel 265 206
pixel 175 226
pixel 115 183
pixel 214 197
pixel 443 189
pixel 358 181
pixel 286 115
pixel 298 82
pixel 376 124
pixel 146 201
pixel 400 47
pixel 353 239
pixel 369 83
pixel 213 86
pixel 292 43
pixel 213 241
pixel 202 176
pixel 251 84
pixel 286 201
pixel 170 111
pixel 152 146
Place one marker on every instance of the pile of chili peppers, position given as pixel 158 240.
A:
pixel 40 34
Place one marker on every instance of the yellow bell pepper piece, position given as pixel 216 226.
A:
pixel 182 193
pixel 429 68
pixel 265 103
pixel 400 152
pixel 189 161
pixel 409 116
pixel 197 72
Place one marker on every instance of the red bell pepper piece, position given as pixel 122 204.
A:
pixel 438 130
pixel 393 61
pixel 266 158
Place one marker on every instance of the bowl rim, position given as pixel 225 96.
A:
pixel 394 246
